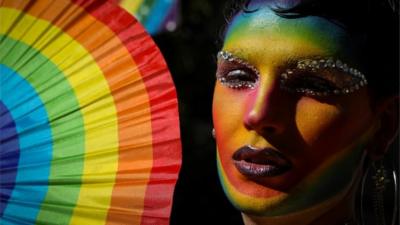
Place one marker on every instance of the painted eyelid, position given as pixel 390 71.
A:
pixel 311 85
pixel 357 78
pixel 241 65
pixel 227 56
pixel 238 79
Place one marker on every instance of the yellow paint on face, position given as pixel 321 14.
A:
pixel 319 136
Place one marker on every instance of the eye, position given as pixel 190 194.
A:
pixel 322 77
pixel 307 83
pixel 236 73
pixel 238 78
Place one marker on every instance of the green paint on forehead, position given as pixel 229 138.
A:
pixel 317 31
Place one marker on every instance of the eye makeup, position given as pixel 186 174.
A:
pixel 236 73
pixel 322 77
pixel 311 77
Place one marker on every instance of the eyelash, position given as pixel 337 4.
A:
pixel 238 79
pixel 307 83
pixel 355 79
pixel 238 74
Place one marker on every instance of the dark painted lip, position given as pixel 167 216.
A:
pixel 260 162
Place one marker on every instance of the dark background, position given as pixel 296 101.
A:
pixel 190 53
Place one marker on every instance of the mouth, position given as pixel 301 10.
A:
pixel 260 162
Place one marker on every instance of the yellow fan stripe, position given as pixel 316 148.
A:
pixel 131 5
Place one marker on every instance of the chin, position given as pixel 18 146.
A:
pixel 257 199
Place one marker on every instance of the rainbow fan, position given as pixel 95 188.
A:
pixel 88 116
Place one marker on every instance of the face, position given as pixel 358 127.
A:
pixel 290 133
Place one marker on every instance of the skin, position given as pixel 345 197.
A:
pixel 324 138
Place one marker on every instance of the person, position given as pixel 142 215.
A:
pixel 305 106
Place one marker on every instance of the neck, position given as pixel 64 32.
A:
pixel 339 214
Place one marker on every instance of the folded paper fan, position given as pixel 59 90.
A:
pixel 88 116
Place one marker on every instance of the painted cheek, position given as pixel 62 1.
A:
pixel 314 119
pixel 229 107
pixel 326 131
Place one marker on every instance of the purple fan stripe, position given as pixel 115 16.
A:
pixel 9 156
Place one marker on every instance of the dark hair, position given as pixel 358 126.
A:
pixel 375 21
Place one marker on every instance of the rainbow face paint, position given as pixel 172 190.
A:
pixel 280 153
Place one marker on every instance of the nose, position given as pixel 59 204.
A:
pixel 265 111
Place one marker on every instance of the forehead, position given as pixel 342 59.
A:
pixel 311 35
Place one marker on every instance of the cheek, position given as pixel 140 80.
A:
pixel 315 119
pixel 331 127
pixel 228 111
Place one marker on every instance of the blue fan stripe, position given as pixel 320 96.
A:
pixel 159 11
pixel 35 142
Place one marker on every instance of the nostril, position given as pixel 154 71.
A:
pixel 251 125
pixel 263 122
pixel 248 126
pixel 260 127
pixel 269 130
pixel 260 124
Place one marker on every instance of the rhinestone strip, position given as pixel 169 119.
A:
pixel 227 56
pixel 358 78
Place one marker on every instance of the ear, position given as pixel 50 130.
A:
pixel 388 119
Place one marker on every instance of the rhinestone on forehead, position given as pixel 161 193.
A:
pixel 227 56
pixel 358 78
